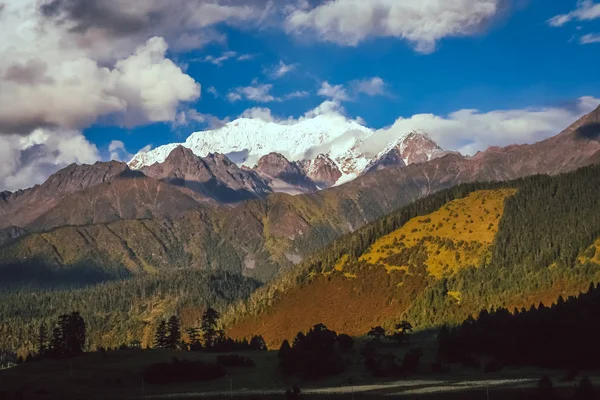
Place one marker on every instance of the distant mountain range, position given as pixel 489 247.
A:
pixel 325 141
pixel 172 207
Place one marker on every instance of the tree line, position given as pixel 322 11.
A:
pixel 208 336
pixel 115 311
pixel 563 335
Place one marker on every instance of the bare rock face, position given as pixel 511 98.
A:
pixel 323 171
pixel 284 176
pixel 214 176
pixel 10 234
pixel 415 147
pixel 24 206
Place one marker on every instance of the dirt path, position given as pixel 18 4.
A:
pixel 397 388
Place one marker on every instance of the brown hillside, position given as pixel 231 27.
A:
pixel 380 286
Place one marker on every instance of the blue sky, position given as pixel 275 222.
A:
pixel 506 57
pixel 518 62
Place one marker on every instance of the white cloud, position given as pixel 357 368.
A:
pixel 26 160
pixel 261 93
pixel 329 108
pixel 53 84
pixel 151 85
pixel 246 57
pixel 263 114
pixel 423 23
pixel 282 69
pixel 234 96
pixel 190 117
pixel 111 29
pixel 590 38
pixel 212 90
pixel 118 152
pixel 218 61
pixel 469 131
pixel 336 92
pixel 586 10
pixel 371 86
pixel 296 95
pixel 255 92
pixel 466 131
pixel 47 83
pixel 374 86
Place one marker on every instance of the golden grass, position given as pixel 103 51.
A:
pixel 591 254
pixel 457 235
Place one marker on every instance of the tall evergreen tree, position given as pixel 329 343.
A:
pixel 42 339
pixel 194 339
pixel 258 343
pixel 160 336
pixel 68 337
pixel 56 347
pixel 173 333
pixel 210 332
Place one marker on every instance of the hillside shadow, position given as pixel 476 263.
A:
pixel 215 190
pixel 589 131
pixel 39 274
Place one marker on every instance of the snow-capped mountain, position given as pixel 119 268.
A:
pixel 413 147
pixel 311 142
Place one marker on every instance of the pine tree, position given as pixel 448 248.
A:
pixel 56 347
pixel 194 339
pixel 160 337
pixel 210 333
pixel 174 333
pixel 42 339
pixel 258 343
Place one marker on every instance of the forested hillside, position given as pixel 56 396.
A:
pixel 121 312
pixel 441 259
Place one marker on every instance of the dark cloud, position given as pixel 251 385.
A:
pixel 106 15
pixel 23 125
pixel 33 72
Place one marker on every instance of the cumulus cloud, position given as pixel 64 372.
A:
pixel 334 92
pixel 586 10
pixel 469 131
pixel 422 23
pixel 31 159
pixel 113 28
pixel 118 152
pixel 590 38
pixel 54 85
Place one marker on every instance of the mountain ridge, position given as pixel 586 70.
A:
pixel 278 231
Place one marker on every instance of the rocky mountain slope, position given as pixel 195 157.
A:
pixel 213 176
pixel 257 237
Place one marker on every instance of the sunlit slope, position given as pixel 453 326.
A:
pixel 459 234
pixel 379 286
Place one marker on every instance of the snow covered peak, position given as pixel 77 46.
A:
pixel 246 140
